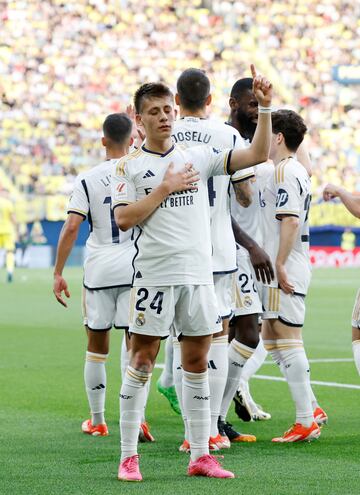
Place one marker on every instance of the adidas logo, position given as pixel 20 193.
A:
pixel 149 174
pixel 98 387
pixel 211 365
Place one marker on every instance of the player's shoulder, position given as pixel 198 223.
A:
pixel 121 166
pixel 287 170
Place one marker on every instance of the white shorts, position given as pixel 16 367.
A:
pixel 287 308
pixel 247 300
pixel 355 318
pixel 224 288
pixel 105 308
pixel 191 309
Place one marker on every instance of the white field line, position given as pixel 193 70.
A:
pixel 313 382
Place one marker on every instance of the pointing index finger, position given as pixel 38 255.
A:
pixel 253 71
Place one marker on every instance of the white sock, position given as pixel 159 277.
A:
pixel 254 362
pixel 238 354
pixel 314 402
pixel 297 373
pixel 95 385
pixel 196 400
pixel 146 392
pixel 124 358
pixel 132 401
pixel 356 352
pixel 166 378
pixel 218 370
pixel 177 372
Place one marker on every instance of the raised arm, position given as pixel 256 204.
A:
pixel 68 236
pixel 349 200
pixel 303 157
pixel 135 213
pixel 258 151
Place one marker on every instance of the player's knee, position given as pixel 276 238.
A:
pixel 196 362
pixel 142 360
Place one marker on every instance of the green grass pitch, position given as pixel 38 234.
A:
pixel 42 450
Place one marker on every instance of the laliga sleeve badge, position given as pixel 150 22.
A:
pixel 140 320
pixel 247 301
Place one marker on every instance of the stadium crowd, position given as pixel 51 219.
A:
pixel 65 65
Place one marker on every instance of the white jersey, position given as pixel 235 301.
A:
pixel 174 244
pixel 288 192
pixel 192 131
pixel 109 251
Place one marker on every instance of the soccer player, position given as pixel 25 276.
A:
pixel 163 189
pixel 7 232
pixel 351 203
pixel 194 128
pixel 107 269
pixel 286 202
pixel 246 351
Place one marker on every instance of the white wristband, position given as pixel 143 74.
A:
pixel 264 109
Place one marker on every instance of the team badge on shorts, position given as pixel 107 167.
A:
pixel 140 319
pixel 247 301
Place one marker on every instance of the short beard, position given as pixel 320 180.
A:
pixel 246 125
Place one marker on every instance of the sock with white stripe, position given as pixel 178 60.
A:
pixel 295 366
pixel 166 378
pixel 356 352
pixel 218 370
pixel 95 385
pixel 196 401
pixel 178 377
pixel 124 358
pixel 132 403
pixel 238 354
pixel 254 363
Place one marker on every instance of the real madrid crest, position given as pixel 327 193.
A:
pixel 247 301
pixel 140 319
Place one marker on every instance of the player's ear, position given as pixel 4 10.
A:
pixel 177 99
pixel 208 100
pixel 279 138
pixel 138 119
pixel 232 103
pixel 103 141
pixel 131 141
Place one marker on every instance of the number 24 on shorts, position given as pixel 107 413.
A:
pixel 156 303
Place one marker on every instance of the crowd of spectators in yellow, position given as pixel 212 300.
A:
pixel 64 65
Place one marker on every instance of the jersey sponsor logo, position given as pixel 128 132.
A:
pixel 140 320
pixel 175 199
pixel 191 136
pixel 200 397
pixel 281 198
pixel 149 173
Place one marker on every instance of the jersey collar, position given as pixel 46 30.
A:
pixel 156 153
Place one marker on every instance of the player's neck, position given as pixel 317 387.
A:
pixel 158 145
pixel 282 155
pixel 113 153
pixel 199 114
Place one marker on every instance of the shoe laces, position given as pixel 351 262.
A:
pixel 132 463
